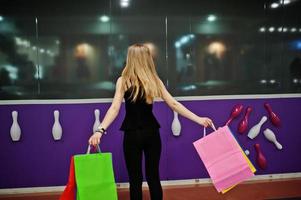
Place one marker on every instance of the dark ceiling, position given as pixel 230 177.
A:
pixel 137 7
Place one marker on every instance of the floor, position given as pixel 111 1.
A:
pixel 269 190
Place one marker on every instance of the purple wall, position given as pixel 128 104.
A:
pixel 38 160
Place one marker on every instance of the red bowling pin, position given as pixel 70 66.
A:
pixel 235 112
pixel 260 159
pixel 274 118
pixel 243 125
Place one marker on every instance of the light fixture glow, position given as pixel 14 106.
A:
pixel 189 87
pixel 299 45
pixel 26 43
pixel 293 29
pixel 1 18
pixel 296 45
pixel 285 2
pixel 217 49
pixel 104 18
pixel 187 55
pixel 13 71
pixel 184 39
pixel 211 18
pixel 262 29
pixel 279 29
pixel 39 72
pixel 271 29
pixel 263 81
pixel 124 4
pixel 274 5
pixel 83 50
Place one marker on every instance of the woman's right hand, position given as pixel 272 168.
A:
pixel 95 139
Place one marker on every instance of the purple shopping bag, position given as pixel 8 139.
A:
pixel 223 158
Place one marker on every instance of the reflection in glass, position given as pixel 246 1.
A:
pixel 239 47
pixel 18 58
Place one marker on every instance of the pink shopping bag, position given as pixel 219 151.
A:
pixel 223 158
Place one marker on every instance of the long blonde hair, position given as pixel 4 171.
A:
pixel 140 73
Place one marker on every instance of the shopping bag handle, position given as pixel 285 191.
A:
pixel 89 149
pixel 204 131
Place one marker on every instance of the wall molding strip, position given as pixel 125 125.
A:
pixel 181 98
pixel 267 177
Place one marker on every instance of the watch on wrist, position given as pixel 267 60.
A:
pixel 101 130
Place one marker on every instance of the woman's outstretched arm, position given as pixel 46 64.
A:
pixel 182 110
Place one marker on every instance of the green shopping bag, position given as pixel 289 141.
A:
pixel 94 176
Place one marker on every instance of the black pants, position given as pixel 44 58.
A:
pixel 135 143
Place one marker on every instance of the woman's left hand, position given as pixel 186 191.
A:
pixel 205 121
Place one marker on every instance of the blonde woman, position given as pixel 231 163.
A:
pixel 139 84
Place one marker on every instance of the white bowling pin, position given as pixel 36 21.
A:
pixel 97 122
pixel 57 128
pixel 254 131
pixel 269 135
pixel 176 126
pixel 15 130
